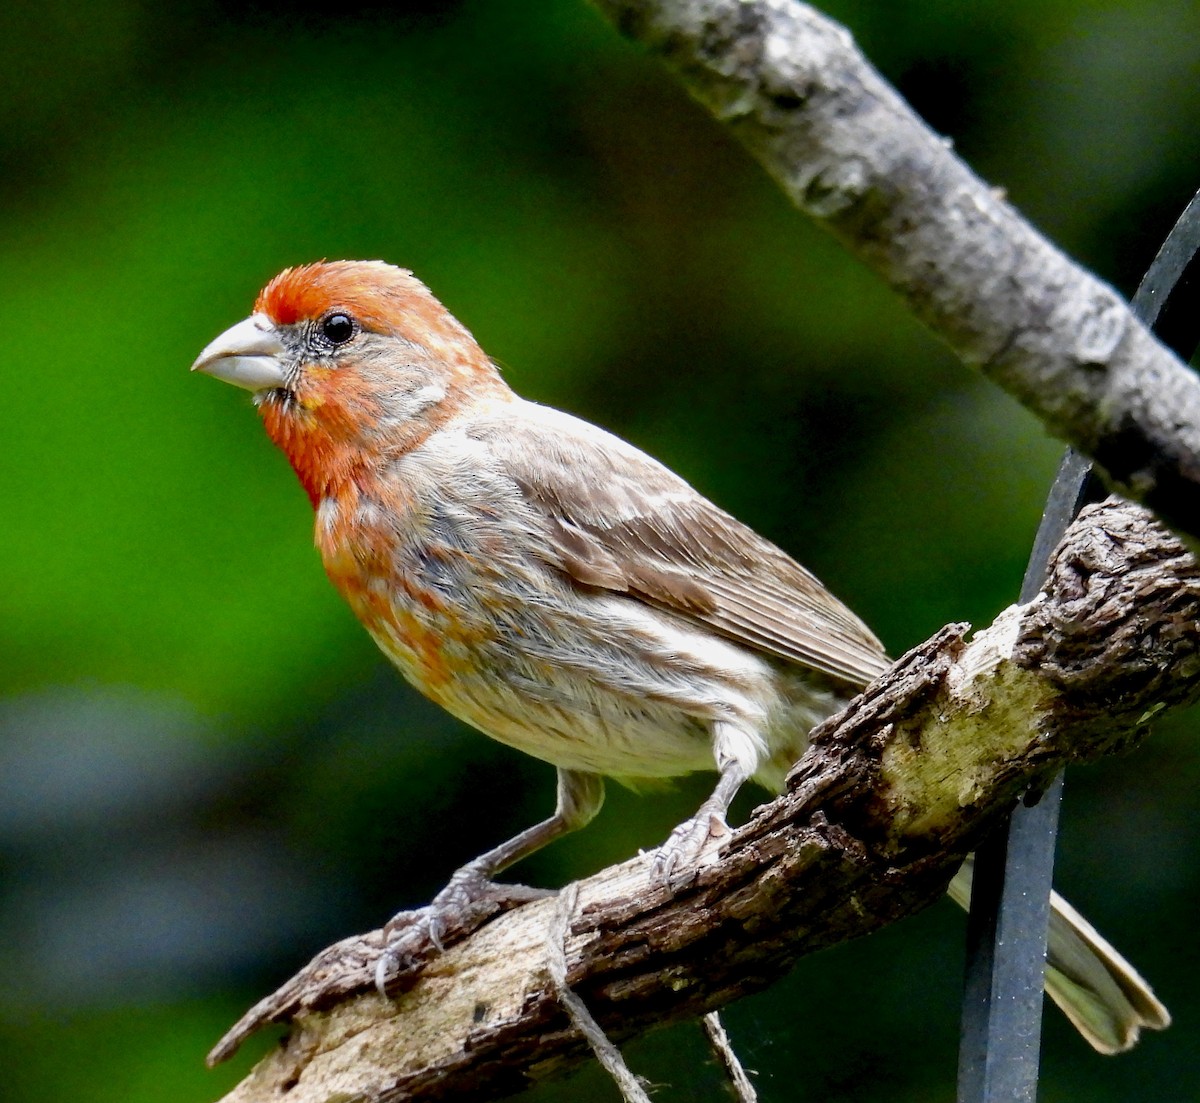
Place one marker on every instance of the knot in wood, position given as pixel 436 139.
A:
pixel 1117 625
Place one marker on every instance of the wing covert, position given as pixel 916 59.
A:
pixel 619 520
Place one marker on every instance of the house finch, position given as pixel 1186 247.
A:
pixel 559 590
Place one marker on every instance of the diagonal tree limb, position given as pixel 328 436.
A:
pixel 878 814
pixel 848 151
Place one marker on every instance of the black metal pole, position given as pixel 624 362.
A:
pixel 1000 1042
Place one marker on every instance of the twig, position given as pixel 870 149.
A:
pixel 718 1041
pixel 606 1053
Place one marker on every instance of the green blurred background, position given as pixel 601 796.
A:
pixel 206 770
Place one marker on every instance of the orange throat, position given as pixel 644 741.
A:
pixel 318 441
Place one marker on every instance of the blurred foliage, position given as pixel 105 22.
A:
pixel 206 771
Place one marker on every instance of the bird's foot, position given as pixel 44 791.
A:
pixel 689 842
pixel 412 938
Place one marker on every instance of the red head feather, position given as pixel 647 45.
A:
pixel 331 425
pixel 383 298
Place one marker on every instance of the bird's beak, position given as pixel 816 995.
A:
pixel 249 354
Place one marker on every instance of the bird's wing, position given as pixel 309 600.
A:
pixel 619 520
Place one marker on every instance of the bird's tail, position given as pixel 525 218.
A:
pixel 1096 988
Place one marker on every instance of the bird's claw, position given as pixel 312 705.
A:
pixel 412 938
pixel 686 845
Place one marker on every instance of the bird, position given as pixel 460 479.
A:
pixel 561 591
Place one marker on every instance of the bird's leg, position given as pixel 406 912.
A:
pixel 737 755
pixel 580 796
pixel 470 896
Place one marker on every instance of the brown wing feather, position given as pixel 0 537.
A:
pixel 618 520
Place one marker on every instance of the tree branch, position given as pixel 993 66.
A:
pixel 850 152
pixel 878 814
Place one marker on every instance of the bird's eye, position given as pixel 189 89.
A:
pixel 338 327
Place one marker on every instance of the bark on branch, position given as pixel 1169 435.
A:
pixel 850 152
pixel 878 814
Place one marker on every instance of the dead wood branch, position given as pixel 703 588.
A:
pixel 878 815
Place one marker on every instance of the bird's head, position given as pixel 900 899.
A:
pixel 350 362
